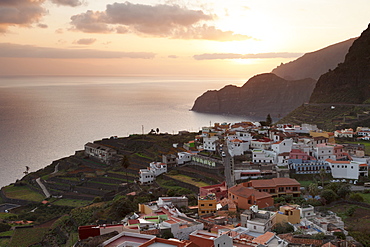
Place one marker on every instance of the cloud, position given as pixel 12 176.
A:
pixel 40 25
pixel 20 13
pixel 85 41
pixel 208 56
pixel 72 3
pixel 171 21
pixel 28 51
pixel 172 56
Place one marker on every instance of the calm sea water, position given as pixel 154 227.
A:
pixel 46 118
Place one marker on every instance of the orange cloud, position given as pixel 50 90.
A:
pixel 171 21
pixel 20 13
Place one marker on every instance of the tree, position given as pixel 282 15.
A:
pixel 125 164
pixel 313 189
pixel 268 120
pixel 329 195
pixel 344 190
pixel 322 176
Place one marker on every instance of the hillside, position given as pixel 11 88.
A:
pixel 261 95
pixel 349 82
pixel 314 64
pixel 339 96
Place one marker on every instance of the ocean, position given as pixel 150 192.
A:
pixel 43 119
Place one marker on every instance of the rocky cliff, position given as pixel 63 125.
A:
pixel 314 64
pixel 349 82
pixel 261 95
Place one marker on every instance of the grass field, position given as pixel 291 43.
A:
pixel 366 197
pixel 188 180
pixel 23 193
pixel 27 236
pixel 71 202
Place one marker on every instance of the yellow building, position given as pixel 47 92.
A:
pixel 288 213
pixel 329 135
pixel 207 204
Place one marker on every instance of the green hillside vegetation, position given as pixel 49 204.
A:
pixel 328 118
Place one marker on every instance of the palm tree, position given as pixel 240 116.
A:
pixel 125 164
pixel 322 176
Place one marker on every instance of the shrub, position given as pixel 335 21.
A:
pixel 357 197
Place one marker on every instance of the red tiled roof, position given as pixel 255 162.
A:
pixel 337 161
pixel 240 190
pixel 263 239
pixel 274 182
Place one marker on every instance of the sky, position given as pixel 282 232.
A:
pixel 169 37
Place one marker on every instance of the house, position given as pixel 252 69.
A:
pixel 183 157
pixel 347 169
pixel 101 152
pixel 220 190
pixel 177 201
pixel 245 197
pixel 207 204
pixel 128 239
pixel 207 239
pixel 320 133
pixel 264 144
pixel 85 232
pixel 237 147
pixel 263 156
pixel 157 168
pixel 346 133
pixel 146 176
pixel 247 174
pixel 210 142
pixel 258 220
pixel 284 146
pixel 288 213
pixel 300 166
pixel 276 186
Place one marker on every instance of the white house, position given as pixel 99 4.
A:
pixel 347 169
pixel 284 146
pixel 346 133
pixel 100 152
pixel 158 168
pixel 261 144
pixel 247 174
pixel 263 156
pixel 260 221
pixel 205 238
pixel 146 176
pixel 237 146
pixel 323 152
pixel 183 157
pixel 210 142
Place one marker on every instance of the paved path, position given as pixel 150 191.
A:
pixel 46 192
pixel 228 163
pixel 42 186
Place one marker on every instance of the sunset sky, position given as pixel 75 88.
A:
pixel 153 37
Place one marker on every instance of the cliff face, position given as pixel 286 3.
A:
pixel 261 95
pixel 350 81
pixel 314 64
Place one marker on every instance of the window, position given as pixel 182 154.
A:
pixel 210 205
pixel 202 205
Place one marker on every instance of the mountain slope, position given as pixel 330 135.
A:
pixel 350 81
pixel 261 95
pixel 314 64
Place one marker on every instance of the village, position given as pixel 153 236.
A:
pixel 259 198
pixel 258 163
